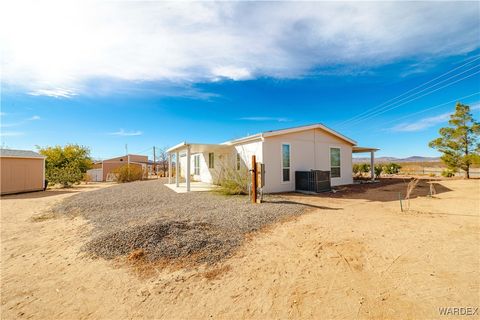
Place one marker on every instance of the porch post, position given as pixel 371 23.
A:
pixel 372 164
pixel 188 168
pixel 177 169
pixel 169 168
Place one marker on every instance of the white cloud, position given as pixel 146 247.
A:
pixel 422 123
pixel 11 133
pixel 56 93
pixel 56 48
pixel 124 133
pixel 265 119
pixel 232 73
pixel 19 123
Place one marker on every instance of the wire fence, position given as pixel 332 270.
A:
pixel 436 171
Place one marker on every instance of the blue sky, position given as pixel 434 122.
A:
pixel 154 74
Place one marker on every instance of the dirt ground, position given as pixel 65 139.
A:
pixel 355 255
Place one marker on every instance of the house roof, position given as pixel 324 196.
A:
pixel 20 154
pixel 272 133
pixel 196 147
pixel 199 147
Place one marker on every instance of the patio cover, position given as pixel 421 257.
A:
pixel 372 157
pixel 188 148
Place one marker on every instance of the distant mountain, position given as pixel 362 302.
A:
pixel 393 159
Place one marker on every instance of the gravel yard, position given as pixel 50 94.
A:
pixel 150 217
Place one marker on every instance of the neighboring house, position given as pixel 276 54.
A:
pixel 104 171
pixel 21 171
pixel 304 148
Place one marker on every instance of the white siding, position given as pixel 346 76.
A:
pixel 247 150
pixel 208 175
pixel 309 149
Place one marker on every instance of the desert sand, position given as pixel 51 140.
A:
pixel 355 256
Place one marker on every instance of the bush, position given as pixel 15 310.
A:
pixel 66 176
pixel 448 173
pixel 233 182
pixel 391 168
pixel 128 173
pixel 66 165
pixel 356 169
pixel 86 178
pixel 364 168
pixel 378 170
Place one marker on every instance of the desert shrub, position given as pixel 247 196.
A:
pixel 128 173
pixel 378 170
pixel 448 173
pixel 233 182
pixel 391 168
pixel 66 175
pixel 356 169
pixel 66 165
pixel 364 168
pixel 86 178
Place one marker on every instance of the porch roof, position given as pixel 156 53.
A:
pixel 197 147
pixel 363 149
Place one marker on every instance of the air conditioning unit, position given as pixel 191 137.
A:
pixel 314 181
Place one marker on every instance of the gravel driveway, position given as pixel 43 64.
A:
pixel 147 215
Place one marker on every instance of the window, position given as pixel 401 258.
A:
pixel 211 160
pixel 239 161
pixel 335 162
pixel 285 162
pixel 196 164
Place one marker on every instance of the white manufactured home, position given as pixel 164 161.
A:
pixel 283 152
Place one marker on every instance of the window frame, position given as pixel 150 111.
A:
pixel 211 160
pixel 238 163
pixel 289 160
pixel 339 160
pixel 196 164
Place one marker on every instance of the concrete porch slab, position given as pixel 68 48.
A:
pixel 194 187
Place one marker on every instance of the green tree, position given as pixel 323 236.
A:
pixel 459 141
pixel 66 165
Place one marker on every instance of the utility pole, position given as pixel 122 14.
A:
pixel 154 162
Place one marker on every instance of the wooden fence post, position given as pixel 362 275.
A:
pixel 254 179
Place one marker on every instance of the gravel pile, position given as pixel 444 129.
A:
pixel 147 215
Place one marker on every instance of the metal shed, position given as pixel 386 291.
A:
pixel 21 171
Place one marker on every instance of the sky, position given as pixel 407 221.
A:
pixel 112 73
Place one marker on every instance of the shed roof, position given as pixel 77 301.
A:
pixel 20 154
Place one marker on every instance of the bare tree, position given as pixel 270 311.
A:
pixel 162 161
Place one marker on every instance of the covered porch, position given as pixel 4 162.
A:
pixel 194 186
pixel 372 158
pixel 188 150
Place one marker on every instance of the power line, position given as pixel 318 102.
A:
pixel 423 95
pixel 431 108
pixel 412 95
pixel 144 150
pixel 417 87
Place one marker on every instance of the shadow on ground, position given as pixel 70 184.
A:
pixel 301 203
pixel 387 189
pixel 47 193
